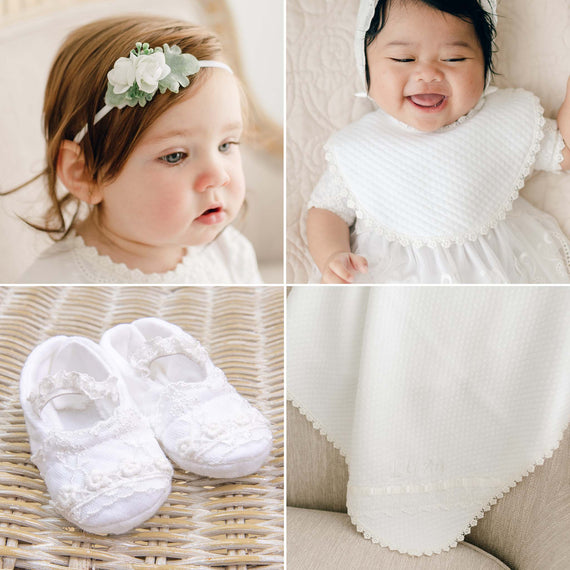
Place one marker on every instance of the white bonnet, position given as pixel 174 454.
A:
pixel 365 14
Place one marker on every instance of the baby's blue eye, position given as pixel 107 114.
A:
pixel 226 147
pixel 402 60
pixel 173 157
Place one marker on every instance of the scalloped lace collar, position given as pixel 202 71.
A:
pixel 101 268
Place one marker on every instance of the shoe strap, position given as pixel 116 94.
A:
pixel 159 346
pixel 70 382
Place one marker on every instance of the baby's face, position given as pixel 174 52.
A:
pixel 183 183
pixel 426 66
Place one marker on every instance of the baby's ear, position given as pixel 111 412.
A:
pixel 71 172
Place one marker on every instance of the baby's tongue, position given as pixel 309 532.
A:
pixel 427 99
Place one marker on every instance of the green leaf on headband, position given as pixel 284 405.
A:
pixel 134 96
pixel 181 65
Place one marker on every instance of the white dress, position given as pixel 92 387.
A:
pixel 441 399
pixel 229 259
pixel 443 207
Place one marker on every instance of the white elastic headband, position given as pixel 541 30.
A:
pixel 365 15
pixel 135 80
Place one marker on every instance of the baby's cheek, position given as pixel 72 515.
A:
pixel 169 208
pixel 238 187
pixel 174 211
pixel 239 195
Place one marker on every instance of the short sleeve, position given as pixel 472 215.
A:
pixel 331 194
pixel 549 156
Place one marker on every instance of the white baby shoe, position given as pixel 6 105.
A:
pixel 202 423
pixel 103 468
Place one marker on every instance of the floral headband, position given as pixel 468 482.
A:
pixel 134 80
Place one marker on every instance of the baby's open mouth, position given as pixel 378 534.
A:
pixel 213 215
pixel 428 100
pixel 211 211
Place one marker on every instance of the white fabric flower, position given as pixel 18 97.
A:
pixel 122 76
pixel 150 69
pixel 146 70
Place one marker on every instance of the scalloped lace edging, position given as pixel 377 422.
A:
pixel 315 423
pixel 558 152
pixel 84 255
pixel 446 242
pixel 71 500
pixel 121 422
pixel 564 247
pixel 479 515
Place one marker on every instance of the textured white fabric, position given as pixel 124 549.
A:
pixel 440 399
pixel 443 207
pixel 201 421
pixel 103 468
pixel 446 186
pixel 230 258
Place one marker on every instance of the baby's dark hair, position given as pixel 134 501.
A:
pixel 468 10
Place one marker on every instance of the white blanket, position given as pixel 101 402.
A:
pixel 440 399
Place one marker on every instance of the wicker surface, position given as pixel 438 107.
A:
pixel 206 523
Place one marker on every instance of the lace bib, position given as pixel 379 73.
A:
pixel 444 187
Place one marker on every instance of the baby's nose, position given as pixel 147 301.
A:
pixel 428 72
pixel 212 175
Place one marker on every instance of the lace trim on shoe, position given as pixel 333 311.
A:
pixel 74 501
pixel 180 396
pixel 120 423
pixel 70 382
pixel 246 426
pixel 157 347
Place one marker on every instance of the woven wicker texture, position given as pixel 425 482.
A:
pixel 206 523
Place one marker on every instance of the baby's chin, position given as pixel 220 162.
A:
pixel 430 128
pixel 428 123
pixel 204 236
